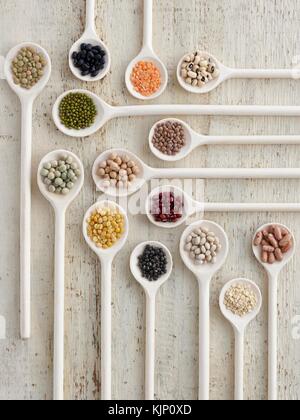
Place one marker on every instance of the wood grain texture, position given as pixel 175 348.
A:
pixel 242 33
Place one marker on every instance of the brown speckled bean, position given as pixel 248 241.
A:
pixel 258 239
pixel 268 248
pixel 277 233
pixel 264 257
pixel 273 241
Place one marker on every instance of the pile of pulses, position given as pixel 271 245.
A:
pixel 77 111
pixel 153 263
pixel 28 67
pixel 118 171
pixel 197 70
pixel 169 137
pixel 105 227
pixel 275 241
pixel 61 175
pixel 203 246
pixel 146 78
pixel 90 60
pixel 240 300
pixel 166 207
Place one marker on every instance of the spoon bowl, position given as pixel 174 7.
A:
pixel 95 41
pixel 103 115
pixel 206 269
pixel 240 323
pixel 60 201
pixel 40 85
pixel 110 252
pixel 113 191
pixel 184 152
pixel 148 286
pixel 147 55
pixel 213 84
pixel 274 269
pixel 187 209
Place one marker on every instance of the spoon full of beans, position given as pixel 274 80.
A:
pixel 107 112
pixel 172 140
pixel 169 207
pixel 204 248
pixel 240 303
pixel 112 173
pixel 27 69
pixel 161 256
pixel 89 57
pixel 274 246
pixel 146 76
pixel 105 229
pixel 201 72
pixel 51 169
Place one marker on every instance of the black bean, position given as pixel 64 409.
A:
pixel 95 73
pixel 89 47
pixel 85 73
pixel 83 47
pixel 74 55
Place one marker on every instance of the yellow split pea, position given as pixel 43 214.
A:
pixel 105 227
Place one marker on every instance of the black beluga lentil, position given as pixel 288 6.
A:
pixel 153 263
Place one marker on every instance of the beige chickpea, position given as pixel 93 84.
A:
pixel 130 164
pixel 113 175
pixel 101 172
pixel 132 177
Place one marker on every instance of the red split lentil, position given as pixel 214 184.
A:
pixel 146 78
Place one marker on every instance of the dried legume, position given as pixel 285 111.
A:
pixel 77 111
pixel 60 175
pixel 90 59
pixel 169 137
pixel 240 300
pixel 166 207
pixel 153 263
pixel 203 246
pixel 118 171
pixel 28 67
pixel 146 78
pixel 274 241
pixel 105 227
pixel 197 70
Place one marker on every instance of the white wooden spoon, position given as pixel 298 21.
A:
pixel 151 289
pixel 106 258
pixel 108 112
pixel 273 272
pixel 147 54
pixel 27 98
pixel 239 325
pixel 90 37
pixel 227 73
pixel 194 140
pixel 191 207
pixel 204 275
pixel 147 173
pixel 60 204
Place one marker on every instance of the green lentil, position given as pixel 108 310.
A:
pixel 77 111
pixel 24 67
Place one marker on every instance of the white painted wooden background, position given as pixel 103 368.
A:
pixel 244 33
